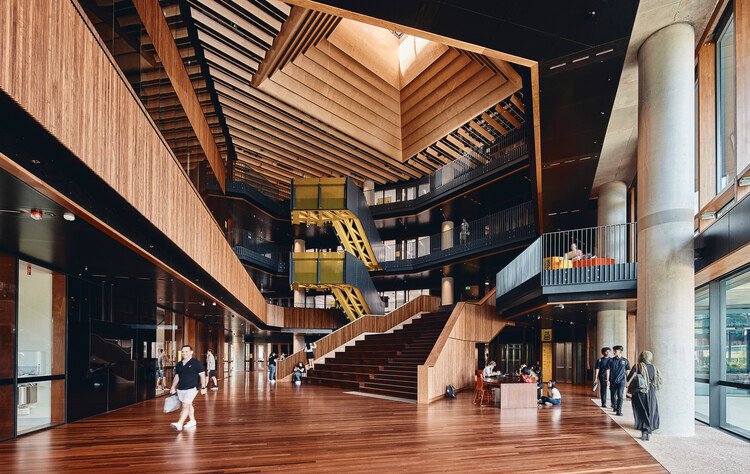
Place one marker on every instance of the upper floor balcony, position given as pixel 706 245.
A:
pixel 596 263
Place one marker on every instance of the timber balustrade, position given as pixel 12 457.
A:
pixel 365 324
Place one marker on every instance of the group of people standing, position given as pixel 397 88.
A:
pixel 615 375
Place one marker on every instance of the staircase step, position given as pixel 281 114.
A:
pixel 389 393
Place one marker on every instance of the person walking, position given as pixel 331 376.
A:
pixel 190 375
pixel 618 371
pixel 643 382
pixel 161 383
pixel 211 369
pixel 601 374
pixel 272 367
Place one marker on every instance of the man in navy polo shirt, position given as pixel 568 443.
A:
pixel 618 373
pixel 601 370
pixel 190 375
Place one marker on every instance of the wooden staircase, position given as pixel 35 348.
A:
pixel 383 364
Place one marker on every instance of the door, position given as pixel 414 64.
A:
pixel 564 362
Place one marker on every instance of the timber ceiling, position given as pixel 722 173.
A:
pixel 297 93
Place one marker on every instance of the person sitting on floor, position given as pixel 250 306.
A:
pixel 553 395
pixel 489 370
pixel 299 369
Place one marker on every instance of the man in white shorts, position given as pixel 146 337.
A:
pixel 189 376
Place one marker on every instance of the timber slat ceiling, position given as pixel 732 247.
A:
pixel 282 93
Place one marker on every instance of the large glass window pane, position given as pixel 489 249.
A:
pixel 738 328
pixel 696 192
pixel 701 401
pixel 726 140
pixel 34 321
pixel 702 333
pixel 738 410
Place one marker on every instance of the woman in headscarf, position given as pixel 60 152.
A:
pixel 643 392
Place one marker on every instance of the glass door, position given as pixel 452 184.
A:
pixel 40 359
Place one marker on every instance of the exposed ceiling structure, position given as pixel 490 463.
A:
pixel 294 93
pixel 618 157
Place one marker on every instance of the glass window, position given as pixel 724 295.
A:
pixel 390 250
pixel 411 193
pixel 738 328
pixel 696 191
pixel 737 410
pixel 702 332
pixel 411 248
pixel 726 140
pixel 424 189
pixel 423 246
pixel 389 195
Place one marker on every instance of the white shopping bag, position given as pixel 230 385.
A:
pixel 171 403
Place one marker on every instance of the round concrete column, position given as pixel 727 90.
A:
pixel 368 188
pixel 446 236
pixel 299 295
pixel 612 326
pixel 611 210
pixel 446 291
pixel 666 138
pixel 298 342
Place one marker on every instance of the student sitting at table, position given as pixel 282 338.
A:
pixel 489 370
pixel 553 395
pixel 575 253
pixel 526 376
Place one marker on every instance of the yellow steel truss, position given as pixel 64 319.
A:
pixel 349 229
pixel 348 296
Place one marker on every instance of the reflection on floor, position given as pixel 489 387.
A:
pixel 710 450
pixel 251 425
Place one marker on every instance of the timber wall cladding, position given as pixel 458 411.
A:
pixel 55 68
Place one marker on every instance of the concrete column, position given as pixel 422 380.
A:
pixel 612 209
pixel 298 342
pixel 666 297
pixel 446 291
pixel 612 327
pixel 238 352
pixel 446 238
pixel 368 188
pixel 299 295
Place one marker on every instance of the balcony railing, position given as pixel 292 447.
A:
pixel 591 259
pixel 506 226
pixel 472 165
pixel 257 250
pixel 594 255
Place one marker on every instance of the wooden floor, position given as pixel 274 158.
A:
pixel 251 427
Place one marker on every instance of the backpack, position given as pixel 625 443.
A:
pixel 450 391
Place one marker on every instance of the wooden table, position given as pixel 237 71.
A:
pixel 514 394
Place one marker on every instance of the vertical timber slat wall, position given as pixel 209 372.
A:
pixel 55 68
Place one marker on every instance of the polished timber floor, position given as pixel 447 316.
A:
pixel 249 426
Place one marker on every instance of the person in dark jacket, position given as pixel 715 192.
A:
pixel 601 374
pixel 618 371
pixel 645 406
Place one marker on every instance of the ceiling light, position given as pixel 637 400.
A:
pixel 36 214
pixel 708 215
pixel 69 216
pixel 745 181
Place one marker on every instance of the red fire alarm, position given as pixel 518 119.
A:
pixel 36 214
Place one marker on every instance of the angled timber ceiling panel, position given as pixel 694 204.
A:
pixel 296 93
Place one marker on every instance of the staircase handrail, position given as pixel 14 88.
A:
pixel 365 324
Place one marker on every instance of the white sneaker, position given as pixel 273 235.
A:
pixel 176 426
pixel 190 424
pixel 214 388
pixel 273 381
pixel 298 382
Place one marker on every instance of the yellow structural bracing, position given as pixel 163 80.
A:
pixel 348 296
pixel 349 229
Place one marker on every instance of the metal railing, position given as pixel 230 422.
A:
pixel 503 226
pixel 521 269
pixel 473 164
pixel 335 268
pixel 331 194
pixel 592 255
pixel 258 250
